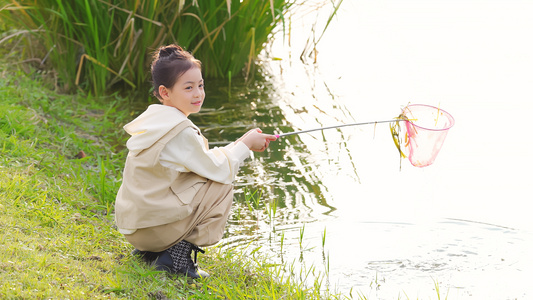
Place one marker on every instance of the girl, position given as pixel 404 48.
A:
pixel 176 193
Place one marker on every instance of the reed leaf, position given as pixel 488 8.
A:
pixel 118 37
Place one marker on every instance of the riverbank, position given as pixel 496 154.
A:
pixel 60 168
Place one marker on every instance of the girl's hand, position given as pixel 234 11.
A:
pixel 256 140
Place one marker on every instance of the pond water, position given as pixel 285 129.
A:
pixel 340 201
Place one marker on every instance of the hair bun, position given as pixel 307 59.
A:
pixel 169 50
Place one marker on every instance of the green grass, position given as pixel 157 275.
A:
pixel 56 221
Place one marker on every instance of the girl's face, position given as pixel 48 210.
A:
pixel 187 94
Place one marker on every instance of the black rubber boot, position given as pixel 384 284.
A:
pixel 177 260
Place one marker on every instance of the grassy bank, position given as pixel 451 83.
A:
pixel 60 167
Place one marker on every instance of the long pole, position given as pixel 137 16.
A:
pixel 336 126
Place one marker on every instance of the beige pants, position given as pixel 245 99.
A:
pixel 204 227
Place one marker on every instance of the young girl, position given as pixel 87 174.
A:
pixel 176 193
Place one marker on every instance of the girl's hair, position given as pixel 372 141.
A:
pixel 168 64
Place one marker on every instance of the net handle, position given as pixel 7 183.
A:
pixel 335 126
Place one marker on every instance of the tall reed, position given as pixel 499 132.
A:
pixel 97 45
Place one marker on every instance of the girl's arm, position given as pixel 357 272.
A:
pixel 187 153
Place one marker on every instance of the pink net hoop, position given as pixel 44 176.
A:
pixel 427 127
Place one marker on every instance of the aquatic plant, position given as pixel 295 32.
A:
pixel 395 130
pixel 99 44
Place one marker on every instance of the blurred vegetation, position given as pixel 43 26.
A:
pixel 101 45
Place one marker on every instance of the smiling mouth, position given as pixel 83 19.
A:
pixel 198 103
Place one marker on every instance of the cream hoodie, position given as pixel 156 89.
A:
pixel 187 152
pixel 170 166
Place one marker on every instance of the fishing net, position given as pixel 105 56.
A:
pixel 426 128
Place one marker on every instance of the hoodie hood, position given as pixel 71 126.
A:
pixel 152 125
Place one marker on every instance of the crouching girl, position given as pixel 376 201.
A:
pixel 176 193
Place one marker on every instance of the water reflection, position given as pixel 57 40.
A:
pixel 287 202
pixel 286 175
pixel 388 232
